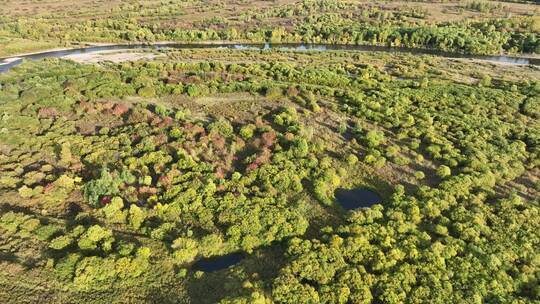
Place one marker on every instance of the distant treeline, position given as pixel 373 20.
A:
pixel 307 21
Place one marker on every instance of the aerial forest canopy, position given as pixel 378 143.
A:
pixel 472 27
pixel 121 181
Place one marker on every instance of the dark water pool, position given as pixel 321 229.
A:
pixel 7 63
pixel 218 263
pixel 351 199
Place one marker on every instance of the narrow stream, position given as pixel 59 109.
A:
pixel 7 63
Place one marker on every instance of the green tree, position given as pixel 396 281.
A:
pixel 96 237
pixel 351 159
pixel 106 184
pixel 374 138
pixel 444 171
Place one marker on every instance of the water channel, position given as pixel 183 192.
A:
pixel 7 63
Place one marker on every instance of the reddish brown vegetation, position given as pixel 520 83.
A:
pixel 120 109
pixel 47 112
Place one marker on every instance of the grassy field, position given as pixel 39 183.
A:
pixel 198 10
pixel 13 46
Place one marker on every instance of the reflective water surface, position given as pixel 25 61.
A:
pixel 351 199
pixel 218 263
pixel 6 64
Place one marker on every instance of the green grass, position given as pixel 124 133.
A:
pixel 15 46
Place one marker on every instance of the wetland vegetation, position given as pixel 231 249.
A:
pixel 474 27
pixel 215 175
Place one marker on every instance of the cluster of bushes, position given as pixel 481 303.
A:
pixel 417 251
pixel 156 188
pixel 311 22
pixel 490 37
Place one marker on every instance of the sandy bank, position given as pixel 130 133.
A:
pixel 115 56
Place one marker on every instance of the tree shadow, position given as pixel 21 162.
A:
pixel 263 265
pixel 8 257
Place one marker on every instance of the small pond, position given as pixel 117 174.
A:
pixel 351 199
pixel 218 263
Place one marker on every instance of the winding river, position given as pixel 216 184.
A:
pixel 7 63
